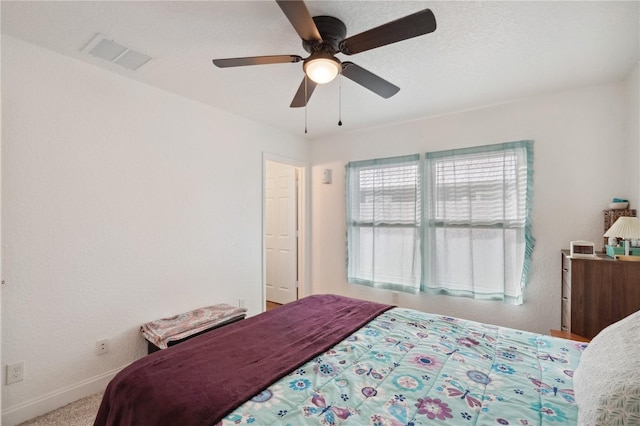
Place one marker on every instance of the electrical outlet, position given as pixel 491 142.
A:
pixel 241 303
pixel 15 372
pixel 102 346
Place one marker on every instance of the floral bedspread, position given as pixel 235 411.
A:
pixel 411 368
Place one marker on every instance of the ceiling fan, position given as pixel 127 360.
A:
pixel 324 36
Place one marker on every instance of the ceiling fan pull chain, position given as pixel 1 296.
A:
pixel 306 101
pixel 340 100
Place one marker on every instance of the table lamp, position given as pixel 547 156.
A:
pixel 626 227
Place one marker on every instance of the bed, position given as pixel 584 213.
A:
pixel 329 360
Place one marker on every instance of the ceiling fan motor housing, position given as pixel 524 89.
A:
pixel 332 30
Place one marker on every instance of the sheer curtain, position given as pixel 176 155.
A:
pixel 477 228
pixel 383 223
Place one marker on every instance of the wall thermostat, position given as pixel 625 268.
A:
pixel 326 176
pixel 583 249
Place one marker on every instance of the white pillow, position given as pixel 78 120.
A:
pixel 607 380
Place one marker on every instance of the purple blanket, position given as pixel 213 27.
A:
pixel 200 381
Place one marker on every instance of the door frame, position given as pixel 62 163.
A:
pixel 303 223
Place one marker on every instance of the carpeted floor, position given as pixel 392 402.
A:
pixel 79 413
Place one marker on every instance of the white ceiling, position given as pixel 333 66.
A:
pixel 482 53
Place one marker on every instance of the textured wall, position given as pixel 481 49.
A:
pixel 580 140
pixel 632 148
pixel 121 204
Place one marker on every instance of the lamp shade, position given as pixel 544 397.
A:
pixel 625 227
pixel 321 67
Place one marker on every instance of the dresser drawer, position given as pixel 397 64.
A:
pixel 566 272
pixel 566 263
pixel 566 290
pixel 565 320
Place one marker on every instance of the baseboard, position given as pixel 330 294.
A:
pixel 61 397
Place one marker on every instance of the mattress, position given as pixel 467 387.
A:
pixel 331 360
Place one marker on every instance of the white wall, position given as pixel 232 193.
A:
pixel 632 147
pixel 2 285
pixel 121 204
pixel 579 151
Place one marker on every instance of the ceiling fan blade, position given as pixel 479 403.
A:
pixel 369 80
pixel 256 60
pixel 414 25
pixel 299 98
pixel 298 14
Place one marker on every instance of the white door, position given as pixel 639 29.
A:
pixel 281 239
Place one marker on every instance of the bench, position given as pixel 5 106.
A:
pixel 163 333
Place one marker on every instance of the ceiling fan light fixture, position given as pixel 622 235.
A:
pixel 321 67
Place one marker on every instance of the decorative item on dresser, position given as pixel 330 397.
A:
pixel 597 292
pixel 582 249
pixel 610 217
pixel 627 228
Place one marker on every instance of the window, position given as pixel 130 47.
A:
pixel 477 231
pixel 383 223
pixel 474 239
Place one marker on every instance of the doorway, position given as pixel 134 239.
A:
pixel 283 220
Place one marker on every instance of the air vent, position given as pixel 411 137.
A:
pixel 104 48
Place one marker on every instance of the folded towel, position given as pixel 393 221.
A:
pixel 161 332
pixel 620 200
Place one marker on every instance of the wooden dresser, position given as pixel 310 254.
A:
pixel 597 292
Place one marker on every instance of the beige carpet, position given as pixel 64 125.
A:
pixel 79 413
